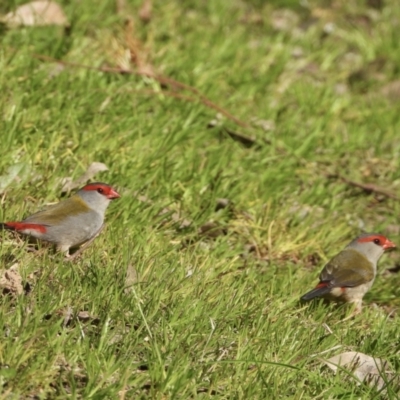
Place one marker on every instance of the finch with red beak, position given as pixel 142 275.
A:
pixel 71 222
pixel 351 273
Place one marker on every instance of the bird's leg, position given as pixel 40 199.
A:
pixel 31 249
pixel 64 249
pixel 70 257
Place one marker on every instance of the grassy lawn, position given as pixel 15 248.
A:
pixel 185 295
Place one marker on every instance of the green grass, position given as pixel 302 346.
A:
pixel 212 315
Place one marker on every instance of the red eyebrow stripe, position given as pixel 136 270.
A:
pixel 21 226
pixel 371 238
pixel 95 186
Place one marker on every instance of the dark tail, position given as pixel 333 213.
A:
pixel 318 291
pixel 4 225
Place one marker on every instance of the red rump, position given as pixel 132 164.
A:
pixel 21 226
pixel 320 285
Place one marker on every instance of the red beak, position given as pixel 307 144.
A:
pixel 113 195
pixel 388 245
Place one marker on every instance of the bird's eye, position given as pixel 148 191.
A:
pixel 100 190
pixel 377 241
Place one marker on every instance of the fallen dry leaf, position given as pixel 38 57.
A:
pixel 11 281
pixel 94 168
pixel 67 313
pixel 36 13
pixel 131 277
pixel 373 371
pixel 17 172
pixel 84 316
pixel 212 230
pixel 69 316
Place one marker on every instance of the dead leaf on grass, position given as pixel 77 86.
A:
pixel 131 277
pixel 82 316
pixel 376 372
pixel 36 13
pixel 11 281
pixel 17 172
pixel 94 168
pixel 212 229
pixel 67 314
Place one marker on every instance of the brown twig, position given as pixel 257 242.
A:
pixel 368 187
pixel 163 80
pixel 245 140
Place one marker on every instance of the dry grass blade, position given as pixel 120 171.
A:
pixel 14 173
pixel 131 278
pixel 138 55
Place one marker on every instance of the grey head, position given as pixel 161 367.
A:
pixel 371 245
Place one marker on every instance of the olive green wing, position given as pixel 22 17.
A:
pixel 347 269
pixel 57 213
